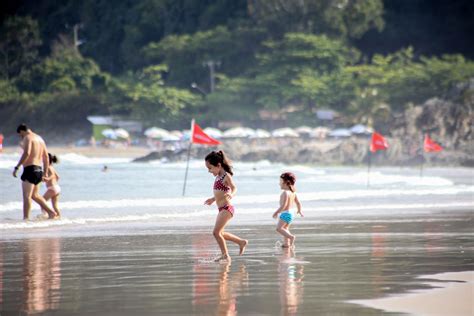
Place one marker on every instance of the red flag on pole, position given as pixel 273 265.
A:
pixel 430 145
pixel 378 142
pixel 199 137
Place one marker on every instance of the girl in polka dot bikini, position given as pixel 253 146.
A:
pixel 224 189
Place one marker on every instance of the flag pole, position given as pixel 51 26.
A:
pixel 368 168
pixel 422 149
pixel 189 156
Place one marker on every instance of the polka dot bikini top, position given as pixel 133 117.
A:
pixel 219 184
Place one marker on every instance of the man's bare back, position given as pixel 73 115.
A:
pixel 35 149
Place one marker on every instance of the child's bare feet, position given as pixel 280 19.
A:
pixel 242 246
pixel 222 258
pixel 292 241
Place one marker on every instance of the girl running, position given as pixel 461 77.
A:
pixel 224 190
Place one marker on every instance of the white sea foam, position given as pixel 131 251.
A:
pixel 206 213
pixel 83 160
pixel 247 199
pixel 378 179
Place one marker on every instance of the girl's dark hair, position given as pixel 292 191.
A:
pixel 218 157
pixel 290 179
pixel 53 158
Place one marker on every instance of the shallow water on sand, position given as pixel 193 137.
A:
pixel 169 271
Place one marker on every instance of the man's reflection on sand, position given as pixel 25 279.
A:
pixel 41 275
pixel 290 274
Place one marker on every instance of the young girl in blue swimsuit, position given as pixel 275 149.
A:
pixel 224 189
pixel 287 199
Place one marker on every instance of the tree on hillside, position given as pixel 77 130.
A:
pixel 340 18
pixel 18 45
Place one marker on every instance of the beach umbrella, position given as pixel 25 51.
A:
pixel 121 133
pixel 177 133
pixel 171 138
pixel 285 132
pixel 304 130
pixel 361 129
pixel 109 133
pixel 213 132
pixel 261 133
pixel 239 132
pixel 340 132
pixel 156 132
pixel 320 132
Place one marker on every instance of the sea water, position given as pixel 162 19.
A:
pixel 139 198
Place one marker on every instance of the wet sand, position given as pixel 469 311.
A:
pixel 453 297
pixel 167 270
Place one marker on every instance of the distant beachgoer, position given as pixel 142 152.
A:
pixel 105 168
pixel 34 155
pixel 287 199
pixel 224 190
pixel 52 186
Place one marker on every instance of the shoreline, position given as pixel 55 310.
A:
pixel 89 151
pixel 321 153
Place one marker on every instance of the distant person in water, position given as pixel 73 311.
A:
pixel 52 187
pixel 34 155
pixel 224 190
pixel 288 199
pixel 105 168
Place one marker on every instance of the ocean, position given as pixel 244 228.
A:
pixel 129 243
pixel 135 198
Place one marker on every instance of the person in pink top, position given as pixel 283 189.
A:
pixel 224 190
pixel 52 187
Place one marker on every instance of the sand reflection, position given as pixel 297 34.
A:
pixel 41 275
pixel 290 275
pixel 221 299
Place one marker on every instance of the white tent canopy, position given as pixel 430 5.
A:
pixel 156 132
pixel 304 130
pixel 177 133
pixel 340 132
pixel 239 132
pixel 361 129
pixel 122 133
pixel 285 132
pixel 109 133
pixel 213 132
pixel 261 133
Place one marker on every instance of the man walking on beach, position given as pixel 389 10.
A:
pixel 34 155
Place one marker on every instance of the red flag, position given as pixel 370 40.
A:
pixel 199 137
pixel 429 145
pixel 378 142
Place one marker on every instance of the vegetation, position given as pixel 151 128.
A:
pixel 62 61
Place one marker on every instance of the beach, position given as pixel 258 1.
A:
pixel 129 243
pixel 169 271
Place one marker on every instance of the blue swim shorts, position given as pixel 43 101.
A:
pixel 286 217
